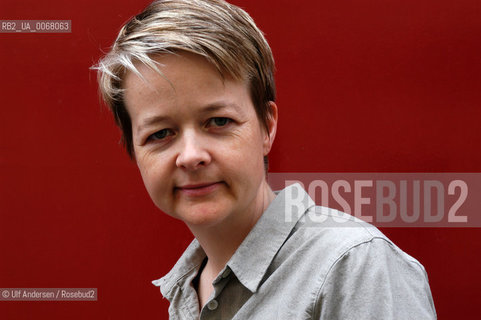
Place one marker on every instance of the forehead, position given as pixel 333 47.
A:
pixel 174 72
pixel 185 82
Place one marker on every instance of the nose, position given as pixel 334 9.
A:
pixel 193 154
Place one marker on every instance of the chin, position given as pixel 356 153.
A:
pixel 203 216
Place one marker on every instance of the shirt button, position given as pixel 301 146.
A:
pixel 226 273
pixel 212 305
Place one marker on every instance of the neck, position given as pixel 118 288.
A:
pixel 222 240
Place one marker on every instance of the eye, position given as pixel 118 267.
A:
pixel 219 122
pixel 160 135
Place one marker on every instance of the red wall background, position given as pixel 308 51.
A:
pixel 364 86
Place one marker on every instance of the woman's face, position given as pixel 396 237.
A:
pixel 198 142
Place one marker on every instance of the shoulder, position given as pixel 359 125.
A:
pixel 360 273
pixel 326 235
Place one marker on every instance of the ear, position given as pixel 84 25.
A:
pixel 272 128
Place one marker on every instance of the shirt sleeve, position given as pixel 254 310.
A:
pixel 375 280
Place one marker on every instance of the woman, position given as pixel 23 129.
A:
pixel 191 85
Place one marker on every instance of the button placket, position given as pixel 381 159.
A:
pixel 212 304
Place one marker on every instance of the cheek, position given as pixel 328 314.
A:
pixel 243 156
pixel 154 176
pixel 254 146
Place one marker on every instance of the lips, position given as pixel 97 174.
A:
pixel 198 189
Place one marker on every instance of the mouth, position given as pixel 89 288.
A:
pixel 198 189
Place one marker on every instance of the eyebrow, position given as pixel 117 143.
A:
pixel 219 106
pixel 147 122
pixel 150 121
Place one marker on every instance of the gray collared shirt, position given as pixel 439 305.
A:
pixel 301 261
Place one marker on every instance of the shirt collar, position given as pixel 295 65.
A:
pixel 251 260
pixel 188 264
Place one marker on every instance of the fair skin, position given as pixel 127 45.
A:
pixel 199 146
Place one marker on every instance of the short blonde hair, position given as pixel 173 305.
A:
pixel 222 33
